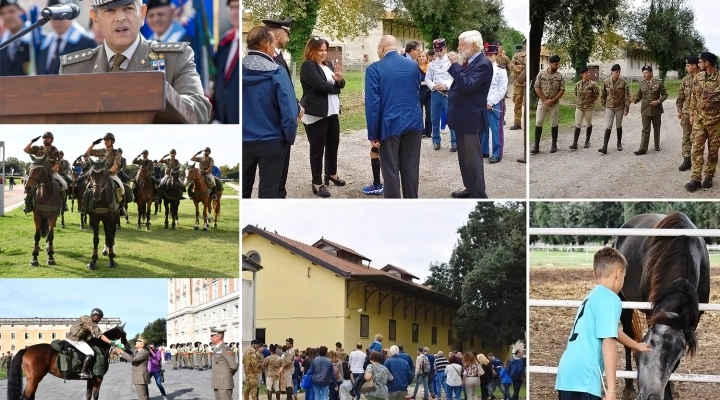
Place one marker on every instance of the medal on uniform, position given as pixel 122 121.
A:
pixel 158 65
pixel 161 56
pixel 153 56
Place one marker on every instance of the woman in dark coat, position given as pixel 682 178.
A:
pixel 423 63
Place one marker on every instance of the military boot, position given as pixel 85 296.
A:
pixel 85 374
pixel 619 139
pixel 554 133
pixel 119 199
pixel 214 192
pixel 588 132
pixel 686 165
pixel 63 199
pixel 606 139
pixel 576 136
pixel 538 134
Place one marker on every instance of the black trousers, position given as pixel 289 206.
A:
pixel 517 383
pixel 282 192
pixel 324 137
pixel 564 395
pixel 400 164
pixel 268 157
pixel 471 164
pixel 428 121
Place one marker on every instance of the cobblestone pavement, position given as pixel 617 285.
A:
pixel 181 384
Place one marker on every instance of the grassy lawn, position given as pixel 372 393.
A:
pixel 263 392
pixel 159 253
pixel 229 191
pixel 352 102
pixel 575 259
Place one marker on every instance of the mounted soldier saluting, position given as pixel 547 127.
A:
pixel 170 164
pixel 206 165
pixel 113 164
pixel 52 156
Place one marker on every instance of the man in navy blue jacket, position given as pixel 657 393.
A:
pixel 226 102
pixel 394 118
pixel 270 114
pixel 401 372
pixel 467 102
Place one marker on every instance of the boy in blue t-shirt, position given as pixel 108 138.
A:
pixel 591 345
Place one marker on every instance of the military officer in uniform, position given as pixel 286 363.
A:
pixel 82 330
pixel 65 169
pixel 224 366
pixel 517 65
pixel 160 18
pixel 550 87
pixel 586 93
pixel 112 162
pixel 252 366
pixel 705 120
pixel 226 92
pixel 652 93
pixel 14 59
pixel 615 99
pixel 206 164
pixel 142 160
pixel 123 165
pixel 139 360
pixel 170 164
pixel 52 157
pixel 683 108
pixel 125 49
pixel 288 367
pixel 84 162
pixel 66 37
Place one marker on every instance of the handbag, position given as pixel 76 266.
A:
pixel 306 382
pixel 368 386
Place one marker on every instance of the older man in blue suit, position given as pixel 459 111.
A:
pixel 466 111
pixel 394 118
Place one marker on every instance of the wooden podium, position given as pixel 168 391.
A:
pixel 110 98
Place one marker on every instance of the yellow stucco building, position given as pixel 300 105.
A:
pixel 325 293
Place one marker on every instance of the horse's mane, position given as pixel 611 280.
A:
pixel 665 281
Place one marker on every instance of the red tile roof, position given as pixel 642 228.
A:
pixel 339 247
pixel 402 271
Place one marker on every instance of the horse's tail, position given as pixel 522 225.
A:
pixel 637 328
pixel 14 377
pixel 44 227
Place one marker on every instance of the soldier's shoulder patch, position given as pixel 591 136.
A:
pixel 169 46
pixel 76 57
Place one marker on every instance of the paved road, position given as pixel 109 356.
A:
pixel 179 384
pixel 13 198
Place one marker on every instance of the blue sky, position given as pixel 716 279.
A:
pixel 73 140
pixel 135 301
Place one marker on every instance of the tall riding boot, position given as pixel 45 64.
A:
pixel 576 136
pixel 63 199
pixel 119 195
pixel 270 394
pixel 84 373
pixel 606 139
pixel 554 133
pixel 538 134
pixel 619 139
pixel 214 192
pixel 588 132
pixel 277 394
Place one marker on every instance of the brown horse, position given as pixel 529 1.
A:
pixel 216 205
pixel 40 359
pixel 46 208
pixel 171 197
pixel 102 197
pixel 144 196
pixel 200 194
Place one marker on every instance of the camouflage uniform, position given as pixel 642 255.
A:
pixel 550 84
pixel 649 91
pixel 517 66
pixel 271 365
pixel 81 331
pixel 288 364
pixel 148 164
pixel 65 169
pixel 206 164
pixel 252 365
pixel 52 156
pixel 586 94
pixel 683 109
pixel 705 107
pixel 110 158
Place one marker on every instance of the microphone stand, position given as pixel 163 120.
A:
pixel 22 33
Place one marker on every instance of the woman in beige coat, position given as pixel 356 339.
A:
pixel 139 361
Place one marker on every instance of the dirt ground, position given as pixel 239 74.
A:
pixel 439 171
pixel 586 173
pixel 549 328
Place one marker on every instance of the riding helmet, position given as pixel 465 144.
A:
pixel 207 149
pixel 172 151
pixel 144 152
pixel 61 152
pixel 48 135
pixel 109 136
pixel 96 311
pixel 119 150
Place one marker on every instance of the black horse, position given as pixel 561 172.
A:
pixel 99 183
pixel 171 197
pixel 672 273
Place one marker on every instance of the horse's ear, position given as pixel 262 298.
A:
pixel 193 166
pixel 32 157
pixel 122 327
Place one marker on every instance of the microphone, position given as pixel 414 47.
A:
pixel 63 12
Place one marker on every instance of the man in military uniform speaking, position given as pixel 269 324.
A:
pixel 224 366
pixel 125 49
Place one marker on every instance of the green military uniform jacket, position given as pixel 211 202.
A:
pixel 649 91
pixel 180 70
pixel 224 368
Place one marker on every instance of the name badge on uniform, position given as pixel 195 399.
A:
pixel 218 352
pixel 158 65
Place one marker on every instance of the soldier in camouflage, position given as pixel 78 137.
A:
pixel 271 365
pixel 652 93
pixel 112 161
pixel 550 87
pixel 586 92
pixel 206 165
pixel 84 162
pixel 65 168
pixel 252 365
pixel 615 99
pixel 170 163
pixel 517 65
pixel 683 109
pixel 85 328
pixel 52 157
pixel 125 178
pixel 141 161
pixel 705 120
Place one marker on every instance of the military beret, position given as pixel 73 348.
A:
pixel 615 67
pixel 491 48
pixel 109 4
pixel 157 3
pixel 271 23
pixel 709 57
pixel 693 59
pixel 584 69
pixel 554 59
pixel 4 3
pixel 646 68
pixel 439 44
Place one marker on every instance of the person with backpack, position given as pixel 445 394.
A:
pixel 323 375
pixel 422 370
pixel 431 375
pixel 517 372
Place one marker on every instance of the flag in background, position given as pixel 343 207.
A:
pixel 32 16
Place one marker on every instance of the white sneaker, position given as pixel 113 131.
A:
pixel 165 398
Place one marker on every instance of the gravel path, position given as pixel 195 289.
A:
pixel 439 171
pixel 586 173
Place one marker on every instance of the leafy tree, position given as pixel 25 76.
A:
pixel 510 37
pixel 12 163
pixel 156 331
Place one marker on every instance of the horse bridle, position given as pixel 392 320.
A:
pixel 44 172
pixel 91 182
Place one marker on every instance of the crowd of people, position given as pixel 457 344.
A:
pixel 69 48
pixel 469 87
pixel 379 373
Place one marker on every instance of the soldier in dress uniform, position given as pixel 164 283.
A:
pixel 517 65
pixel 83 330
pixel 439 80
pixel 705 120
pixel 495 111
pixel 66 37
pixel 652 93
pixel 125 49
pixel 160 18
pixel 224 366
pixel 550 87
pixel 586 93
pixel 226 92
pixel 139 360
pixel 615 99
pixel 209 350
pixel 112 162
pixel 206 164
pixel 252 366
pixel 683 108
pixel 14 59
pixel 52 157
